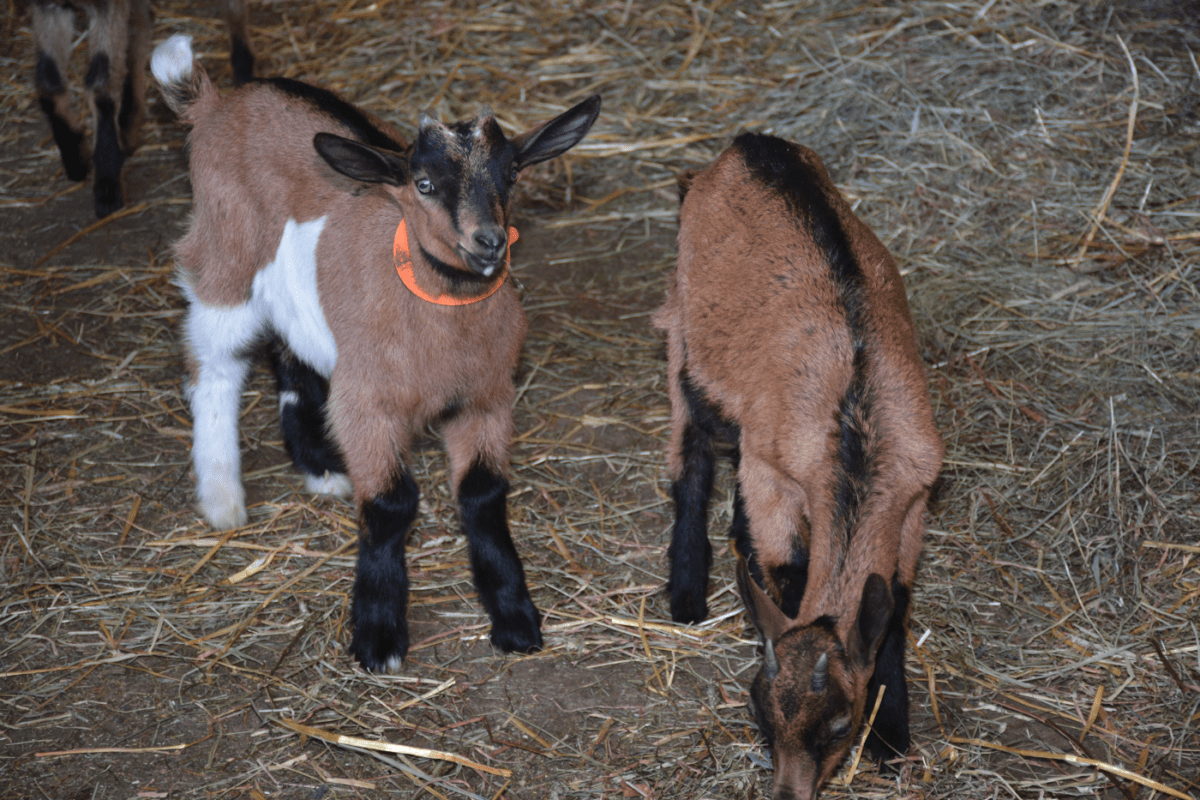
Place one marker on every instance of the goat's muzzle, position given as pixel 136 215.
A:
pixel 486 254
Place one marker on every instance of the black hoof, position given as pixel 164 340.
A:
pixel 689 606
pixel 519 631
pixel 380 648
pixel 108 198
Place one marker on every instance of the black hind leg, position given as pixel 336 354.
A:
pixel 53 30
pixel 889 735
pixel 302 395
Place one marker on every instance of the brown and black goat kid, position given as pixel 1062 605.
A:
pixel 119 45
pixel 378 270
pixel 789 336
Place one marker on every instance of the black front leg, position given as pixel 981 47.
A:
pixel 380 607
pixel 52 95
pixel 495 565
pixel 108 156
pixel 690 553
pixel 889 735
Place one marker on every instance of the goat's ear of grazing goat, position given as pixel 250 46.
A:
pixel 874 615
pixel 684 182
pixel 362 162
pixel 767 617
pixel 557 136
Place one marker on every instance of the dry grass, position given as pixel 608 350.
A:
pixel 1034 166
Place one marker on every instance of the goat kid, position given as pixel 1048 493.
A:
pixel 789 336
pixel 305 209
pixel 119 45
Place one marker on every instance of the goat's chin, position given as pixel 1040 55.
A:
pixel 480 266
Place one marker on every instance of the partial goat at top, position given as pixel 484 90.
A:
pixel 789 336
pixel 119 44
pixel 378 272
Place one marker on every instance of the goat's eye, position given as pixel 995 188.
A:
pixel 424 186
pixel 840 728
pixel 513 176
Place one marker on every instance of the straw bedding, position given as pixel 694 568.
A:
pixel 1033 165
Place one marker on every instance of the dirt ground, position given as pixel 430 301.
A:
pixel 1057 611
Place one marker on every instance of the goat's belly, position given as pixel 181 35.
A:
pixel 285 291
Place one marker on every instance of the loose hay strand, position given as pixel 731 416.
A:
pixel 1074 759
pixel 388 747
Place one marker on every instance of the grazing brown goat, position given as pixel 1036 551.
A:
pixel 789 335
pixel 119 43
pixel 378 269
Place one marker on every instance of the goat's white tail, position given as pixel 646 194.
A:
pixel 180 77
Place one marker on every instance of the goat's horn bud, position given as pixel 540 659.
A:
pixel 820 678
pixel 772 661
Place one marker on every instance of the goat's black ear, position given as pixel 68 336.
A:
pixel 362 162
pixel 874 616
pixel 557 136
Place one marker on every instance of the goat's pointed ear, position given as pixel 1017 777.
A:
pixel 874 617
pixel 767 617
pixel 684 182
pixel 362 162
pixel 557 136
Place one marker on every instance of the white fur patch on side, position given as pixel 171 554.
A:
pixel 218 339
pixel 288 398
pixel 285 292
pixel 172 60
pixel 334 483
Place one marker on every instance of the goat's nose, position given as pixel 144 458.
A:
pixel 491 240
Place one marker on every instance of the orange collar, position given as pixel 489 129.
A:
pixel 402 254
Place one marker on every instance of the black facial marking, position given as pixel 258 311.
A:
pixel 439 160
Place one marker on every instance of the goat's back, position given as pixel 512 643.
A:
pixel 792 315
pixel 253 166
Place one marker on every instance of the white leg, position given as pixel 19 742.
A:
pixel 218 338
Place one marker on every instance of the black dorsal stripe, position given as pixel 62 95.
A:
pixel 325 101
pixel 776 164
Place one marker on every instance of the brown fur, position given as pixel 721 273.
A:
pixel 757 324
pixel 279 153
pixel 240 144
